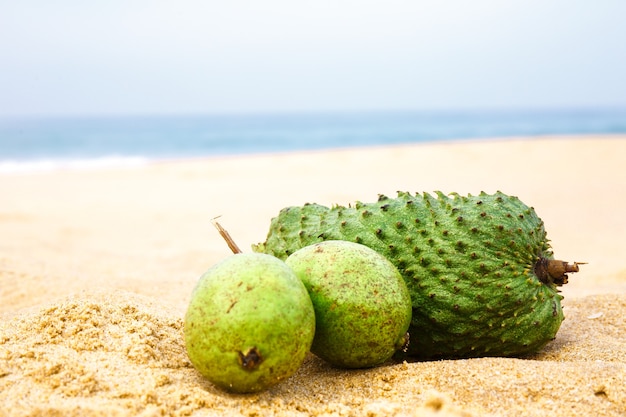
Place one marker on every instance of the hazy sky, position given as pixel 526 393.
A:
pixel 150 56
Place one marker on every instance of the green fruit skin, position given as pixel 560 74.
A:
pixel 468 262
pixel 362 305
pixel 249 303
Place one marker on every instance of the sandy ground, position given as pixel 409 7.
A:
pixel 97 268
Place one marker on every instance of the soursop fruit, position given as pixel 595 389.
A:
pixel 480 269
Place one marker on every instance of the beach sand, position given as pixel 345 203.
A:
pixel 97 268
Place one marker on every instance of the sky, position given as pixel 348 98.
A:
pixel 136 57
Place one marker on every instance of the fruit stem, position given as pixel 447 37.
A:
pixel 229 240
pixel 551 271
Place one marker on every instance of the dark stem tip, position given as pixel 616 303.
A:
pixel 552 271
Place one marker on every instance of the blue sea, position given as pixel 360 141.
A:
pixel 35 144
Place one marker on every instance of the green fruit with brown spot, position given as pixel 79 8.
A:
pixel 249 324
pixel 362 305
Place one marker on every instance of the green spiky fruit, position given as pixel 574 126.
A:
pixel 479 268
pixel 362 305
pixel 249 324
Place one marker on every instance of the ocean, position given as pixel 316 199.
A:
pixel 36 144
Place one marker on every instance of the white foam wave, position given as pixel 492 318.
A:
pixel 13 166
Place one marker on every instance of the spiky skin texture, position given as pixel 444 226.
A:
pixel 468 261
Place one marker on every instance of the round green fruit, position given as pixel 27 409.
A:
pixel 249 324
pixel 362 304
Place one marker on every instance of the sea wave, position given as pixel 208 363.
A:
pixel 49 144
pixel 16 166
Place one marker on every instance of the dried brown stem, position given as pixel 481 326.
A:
pixel 226 236
pixel 551 271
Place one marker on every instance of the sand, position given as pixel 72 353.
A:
pixel 97 268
